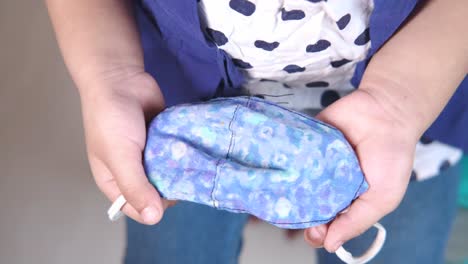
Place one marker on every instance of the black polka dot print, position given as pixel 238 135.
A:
pixel 292 14
pixel 363 38
pixel 414 176
pixel 218 37
pixel 268 46
pixel 242 64
pixel 339 63
pixel 329 97
pixel 317 84
pixel 444 165
pixel 343 21
pixel 319 46
pixel 292 68
pixel 425 140
pixel 244 7
pixel 286 85
pixel 267 80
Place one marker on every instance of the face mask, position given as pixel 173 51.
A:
pixel 248 155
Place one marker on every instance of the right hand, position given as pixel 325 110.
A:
pixel 115 113
pixel 384 141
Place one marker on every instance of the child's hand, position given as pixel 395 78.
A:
pixel 385 147
pixel 402 92
pixel 101 47
pixel 114 118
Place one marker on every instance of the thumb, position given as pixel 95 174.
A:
pixel 361 215
pixel 315 236
pixel 125 164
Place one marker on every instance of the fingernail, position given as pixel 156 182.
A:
pixel 315 234
pixel 150 215
pixel 316 237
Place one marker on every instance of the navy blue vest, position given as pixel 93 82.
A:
pixel 189 68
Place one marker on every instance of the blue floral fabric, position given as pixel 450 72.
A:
pixel 248 155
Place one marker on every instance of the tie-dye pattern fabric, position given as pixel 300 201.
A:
pixel 248 155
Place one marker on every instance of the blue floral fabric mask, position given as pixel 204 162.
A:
pixel 248 155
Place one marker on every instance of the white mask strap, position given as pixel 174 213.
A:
pixel 114 212
pixel 374 249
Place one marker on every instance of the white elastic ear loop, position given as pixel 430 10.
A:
pixel 114 212
pixel 374 249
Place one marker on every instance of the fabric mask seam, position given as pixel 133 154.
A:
pixel 220 160
pixel 305 222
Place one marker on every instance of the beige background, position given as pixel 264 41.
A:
pixel 51 212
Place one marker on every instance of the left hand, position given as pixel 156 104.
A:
pixel 385 146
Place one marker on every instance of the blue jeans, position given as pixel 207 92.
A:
pixel 417 232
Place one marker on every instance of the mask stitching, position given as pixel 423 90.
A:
pixel 218 163
pixel 305 222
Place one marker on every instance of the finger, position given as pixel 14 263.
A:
pixel 106 183
pixel 362 214
pixel 291 234
pixel 253 219
pixel 315 236
pixel 168 203
pixel 126 166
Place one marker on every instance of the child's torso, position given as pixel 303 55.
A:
pixel 302 54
